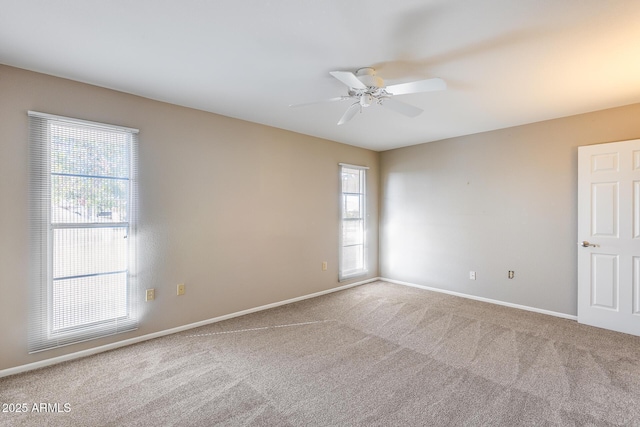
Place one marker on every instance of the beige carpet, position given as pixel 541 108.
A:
pixel 378 354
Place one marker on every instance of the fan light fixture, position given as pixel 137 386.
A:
pixel 367 88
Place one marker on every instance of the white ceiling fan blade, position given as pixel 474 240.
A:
pixel 350 113
pixel 417 86
pixel 349 79
pixel 401 107
pixel 304 104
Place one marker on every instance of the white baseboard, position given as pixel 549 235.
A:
pixel 118 344
pixel 489 300
pixel 106 347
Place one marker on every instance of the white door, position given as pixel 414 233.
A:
pixel 609 236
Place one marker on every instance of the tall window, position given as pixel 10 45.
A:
pixel 82 214
pixel 353 260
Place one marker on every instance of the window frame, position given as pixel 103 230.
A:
pixel 43 334
pixel 362 194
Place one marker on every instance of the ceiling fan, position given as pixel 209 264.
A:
pixel 367 88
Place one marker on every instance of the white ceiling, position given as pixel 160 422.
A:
pixel 506 62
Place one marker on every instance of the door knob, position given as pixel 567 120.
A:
pixel 586 244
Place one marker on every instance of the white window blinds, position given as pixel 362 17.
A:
pixel 353 260
pixel 83 211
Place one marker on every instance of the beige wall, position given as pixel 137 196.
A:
pixel 242 213
pixel 493 202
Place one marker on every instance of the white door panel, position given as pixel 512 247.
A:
pixel 604 281
pixel 604 209
pixel 609 220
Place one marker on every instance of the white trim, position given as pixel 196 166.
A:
pixel 347 165
pixel 489 300
pixel 107 347
pixel 353 276
pixel 85 122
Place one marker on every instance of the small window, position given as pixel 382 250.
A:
pixel 83 215
pixel 353 260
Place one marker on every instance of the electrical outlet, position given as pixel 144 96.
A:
pixel 180 289
pixel 150 295
pixel 472 275
pixel 511 274
pixel 324 265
